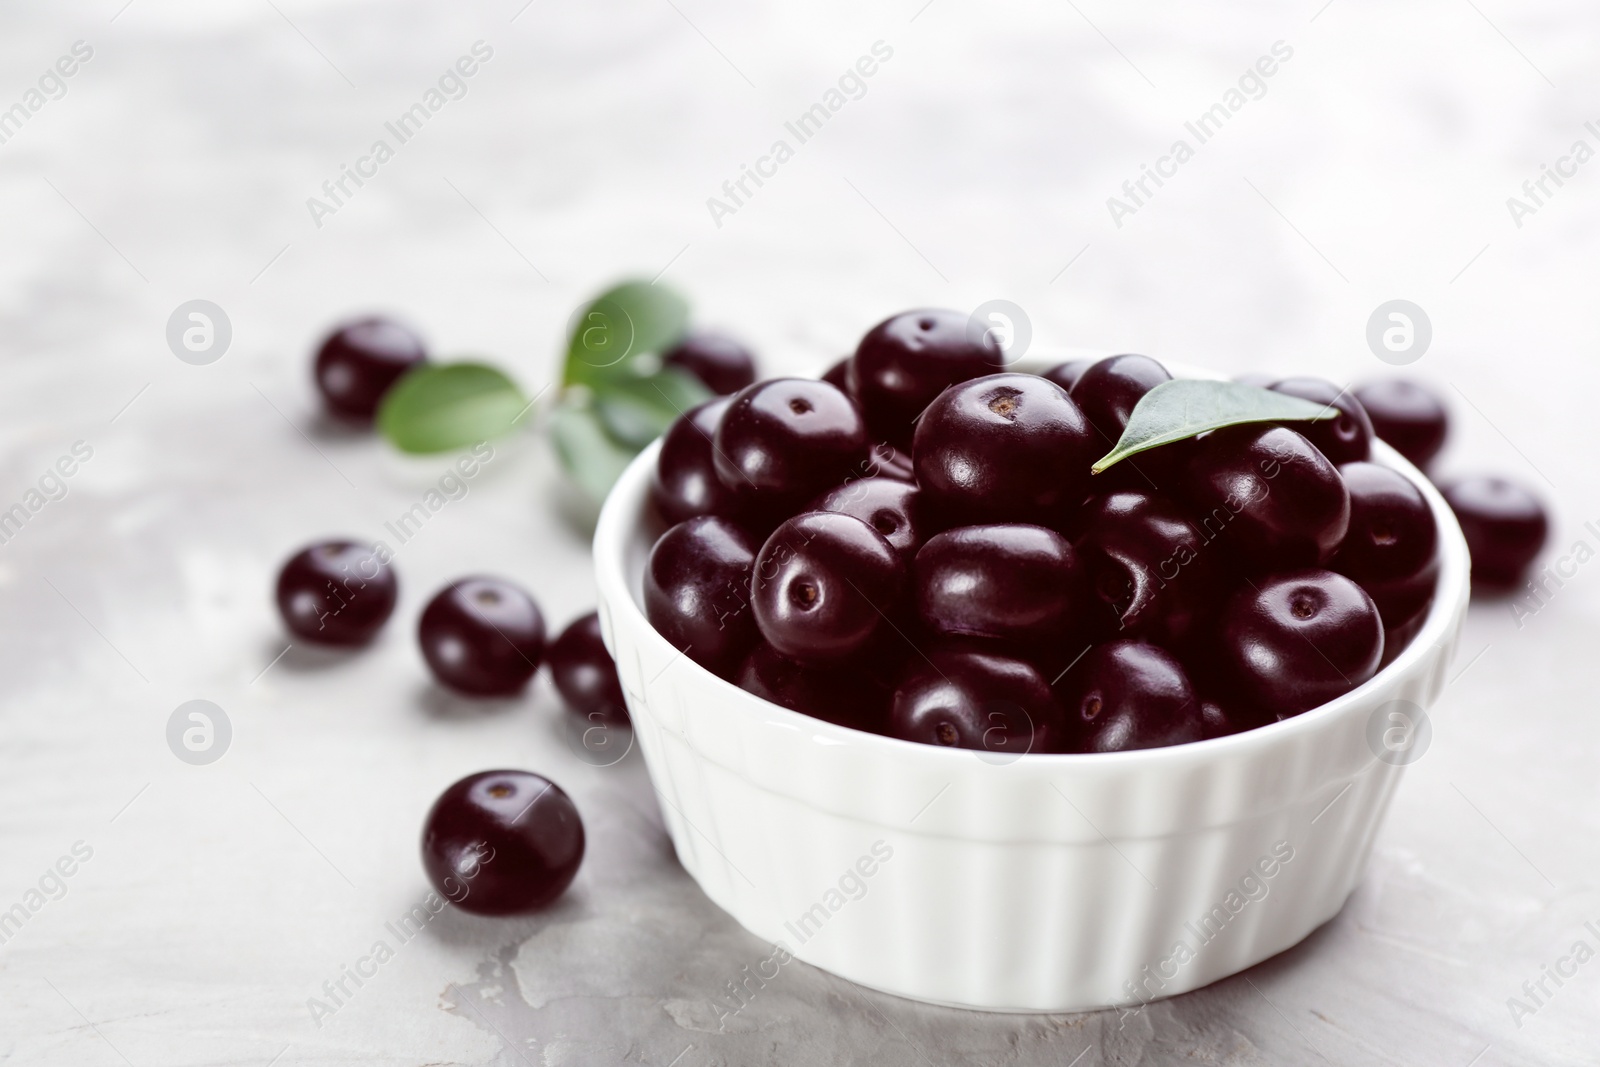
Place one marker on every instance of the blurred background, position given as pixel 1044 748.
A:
pixel 989 156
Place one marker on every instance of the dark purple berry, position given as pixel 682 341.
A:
pixel 1345 438
pixel 904 362
pixel 1505 527
pixel 784 440
pixel 1295 641
pixel 967 698
pixel 1396 638
pixel 697 591
pixel 1127 695
pixel 337 592
pixel 1220 720
pixel 1149 570
pixel 585 674
pixel 723 364
pixel 1011 582
pixel 823 586
pixel 502 842
pixel 1108 390
pixel 685 484
pixel 888 505
pixel 1004 448
pixel 1409 417
pixel 887 461
pixel 1268 496
pixel 1390 548
pixel 360 361
pixel 482 636
pixel 847 696
pixel 1067 374
pixel 842 377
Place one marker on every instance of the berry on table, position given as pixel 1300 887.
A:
pixel 337 592
pixel 482 636
pixel 723 364
pixel 1505 526
pixel 502 842
pixel 585 674
pixel 359 362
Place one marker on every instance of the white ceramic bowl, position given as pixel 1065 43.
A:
pixel 1043 883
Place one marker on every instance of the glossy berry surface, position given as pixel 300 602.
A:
pixel 887 461
pixel 1345 438
pixel 783 441
pixel 585 674
pixel 336 593
pixel 1220 720
pixel 1298 640
pixel 685 484
pixel 1505 527
pixel 1108 390
pixel 1391 547
pixel 842 376
pixel 823 585
pixel 966 698
pixel 502 842
pixel 848 696
pixel 888 505
pixel 1127 695
pixel 906 361
pixel 1067 374
pixel 1003 448
pixel 1268 496
pixel 697 591
pixel 1148 569
pixel 1408 416
pixel 482 636
pixel 723 364
pixel 1010 581
pixel 360 361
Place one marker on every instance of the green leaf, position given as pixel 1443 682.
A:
pixel 439 407
pixel 591 457
pixel 1182 408
pixel 636 411
pixel 618 327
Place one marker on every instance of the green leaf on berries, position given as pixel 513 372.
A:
pixel 620 327
pixel 1185 407
pixel 440 407
pixel 635 411
pixel 592 458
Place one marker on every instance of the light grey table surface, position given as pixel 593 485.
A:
pixel 176 164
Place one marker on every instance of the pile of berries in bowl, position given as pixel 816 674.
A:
pixel 1094 738
pixel 917 546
